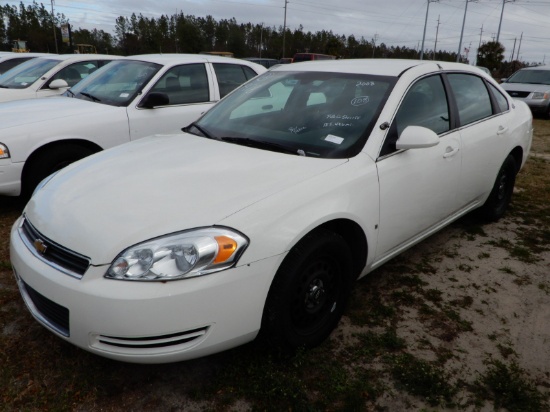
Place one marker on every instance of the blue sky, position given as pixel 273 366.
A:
pixel 393 22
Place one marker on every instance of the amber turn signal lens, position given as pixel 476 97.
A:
pixel 226 247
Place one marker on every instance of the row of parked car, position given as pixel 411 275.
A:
pixel 217 222
pixel 134 97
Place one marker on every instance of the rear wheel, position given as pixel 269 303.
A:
pixel 50 161
pixel 496 204
pixel 309 292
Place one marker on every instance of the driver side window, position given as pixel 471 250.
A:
pixel 425 104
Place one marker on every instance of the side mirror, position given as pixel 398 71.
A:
pixel 58 84
pixel 504 80
pixel 155 99
pixel 417 137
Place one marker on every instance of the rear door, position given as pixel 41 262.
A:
pixel 483 119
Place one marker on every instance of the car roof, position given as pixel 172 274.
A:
pixel 10 55
pixel 79 57
pixel 536 68
pixel 177 58
pixel 381 67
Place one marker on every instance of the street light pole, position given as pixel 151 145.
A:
pixel 501 14
pixel 462 32
pixel 425 24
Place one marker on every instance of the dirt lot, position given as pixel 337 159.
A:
pixel 459 322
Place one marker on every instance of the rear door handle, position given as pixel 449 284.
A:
pixel 502 130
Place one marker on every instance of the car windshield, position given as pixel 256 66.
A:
pixel 530 77
pixel 317 114
pixel 8 64
pixel 22 76
pixel 117 83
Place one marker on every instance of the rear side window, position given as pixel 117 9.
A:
pixel 231 76
pixel 502 102
pixel 472 97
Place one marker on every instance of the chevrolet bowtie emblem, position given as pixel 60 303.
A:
pixel 40 246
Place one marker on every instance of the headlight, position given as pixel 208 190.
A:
pixel 540 95
pixel 4 152
pixel 179 256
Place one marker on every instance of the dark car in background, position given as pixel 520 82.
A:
pixel 267 63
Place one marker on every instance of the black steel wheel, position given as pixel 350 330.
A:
pixel 309 292
pixel 496 204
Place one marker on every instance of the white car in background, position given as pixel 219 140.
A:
pixel 49 75
pixel 128 99
pixel 264 213
pixel 9 60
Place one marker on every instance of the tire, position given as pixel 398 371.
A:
pixel 497 203
pixel 309 292
pixel 50 161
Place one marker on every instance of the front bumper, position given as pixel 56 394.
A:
pixel 149 322
pixel 537 106
pixel 10 177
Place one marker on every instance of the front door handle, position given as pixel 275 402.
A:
pixel 450 152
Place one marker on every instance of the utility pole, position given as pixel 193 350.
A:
pixel 54 31
pixel 374 44
pixel 462 32
pixel 501 14
pixel 425 24
pixel 284 30
pixel 261 37
pixel 519 47
pixel 436 34
pixel 479 46
pixel 513 50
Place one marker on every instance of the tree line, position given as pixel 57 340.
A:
pixel 181 33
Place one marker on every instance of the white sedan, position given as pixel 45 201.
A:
pixel 128 99
pixel 262 216
pixel 49 75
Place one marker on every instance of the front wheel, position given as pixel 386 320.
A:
pixel 309 292
pixel 496 204
pixel 49 161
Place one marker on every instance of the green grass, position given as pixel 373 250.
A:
pixel 508 387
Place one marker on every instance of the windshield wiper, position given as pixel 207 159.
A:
pixel 3 87
pixel 70 92
pixel 201 129
pixel 89 96
pixel 261 144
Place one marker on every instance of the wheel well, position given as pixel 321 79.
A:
pixel 354 236
pixel 517 154
pixel 94 148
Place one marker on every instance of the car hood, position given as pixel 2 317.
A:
pixel 525 87
pixel 159 185
pixel 7 95
pixel 17 113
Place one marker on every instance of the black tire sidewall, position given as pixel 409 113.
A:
pixel 278 322
pixel 50 161
pixel 497 202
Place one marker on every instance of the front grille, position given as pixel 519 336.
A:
pixel 521 95
pixel 52 314
pixel 62 258
pixel 149 342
